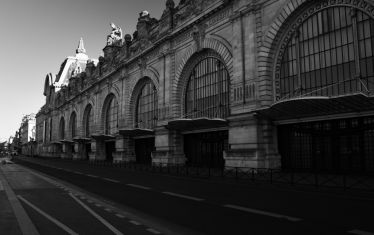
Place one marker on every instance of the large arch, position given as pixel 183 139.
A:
pixel 61 129
pixel 88 120
pixel 136 91
pixel 182 85
pixel 110 114
pixel 73 125
pixel 212 44
pixel 281 30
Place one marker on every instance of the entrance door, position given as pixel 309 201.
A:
pixel 206 149
pixel 88 150
pixel 334 145
pixel 143 150
pixel 110 147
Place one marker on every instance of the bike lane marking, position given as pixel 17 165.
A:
pixel 98 217
pixel 139 186
pixel 360 232
pixel 26 225
pixel 261 212
pixel 49 217
pixel 183 196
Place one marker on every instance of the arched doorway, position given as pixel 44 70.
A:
pixel 111 112
pixel 206 102
pixel 73 133
pixel 88 119
pixel 330 55
pixel 146 120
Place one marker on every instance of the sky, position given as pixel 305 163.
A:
pixel 37 35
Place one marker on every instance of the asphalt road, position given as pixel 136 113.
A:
pixel 193 206
pixel 54 209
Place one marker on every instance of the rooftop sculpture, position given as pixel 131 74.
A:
pixel 115 37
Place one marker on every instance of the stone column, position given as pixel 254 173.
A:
pixel 251 143
pixel 66 151
pixel 125 149
pixel 97 150
pixel 169 148
pixel 79 149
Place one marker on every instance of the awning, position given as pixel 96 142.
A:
pixel 81 139
pixel 103 137
pixel 197 123
pixel 67 142
pixel 136 132
pixel 317 106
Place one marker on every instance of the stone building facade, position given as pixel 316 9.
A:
pixel 27 132
pixel 243 83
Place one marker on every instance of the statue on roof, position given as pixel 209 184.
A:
pixel 115 37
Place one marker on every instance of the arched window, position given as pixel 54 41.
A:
pixel 73 125
pixel 208 90
pixel 62 129
pixel 111 116
pixel 146 107
pixel 88 120
pixel 330 54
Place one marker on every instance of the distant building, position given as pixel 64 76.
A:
pixel 222 83
pixel 28 134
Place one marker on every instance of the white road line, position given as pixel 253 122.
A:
pixel 111 180
pixel 24 221
pixel 108 210
pixel 1 187
pixel 135 222
pixel 93 176
pixel 139 186
pixel 56 222
pixel 153 231
pixel 266 213
pixel 184 196
pixel 101 219
pixel 120 216
pixel 360 232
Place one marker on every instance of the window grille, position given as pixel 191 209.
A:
pixel 328 53
pixel 73 125
pixel 111 117
pixel 147 107
pixel 62 129
pixel 208 90
pixel 88 121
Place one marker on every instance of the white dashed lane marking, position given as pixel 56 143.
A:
pixel 135 222
pixel 101 219
pixel 151 230
pixel 53 220
pixel 139 186
pixel 111 180
pixel 183 196
pixel 266 213
pixel 120 216
pixel 93 176
pixel 360 232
